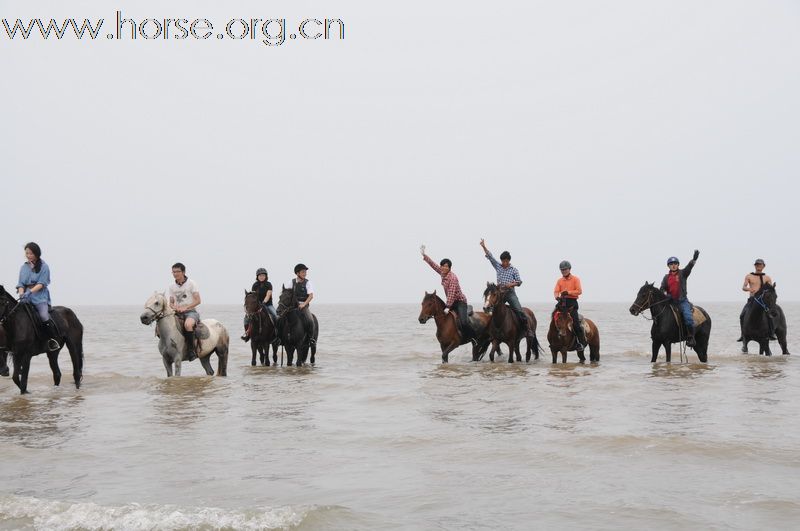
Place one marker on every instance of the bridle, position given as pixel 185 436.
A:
pixel 648 304
pixel 157 316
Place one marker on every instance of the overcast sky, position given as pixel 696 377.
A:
pixel 612 134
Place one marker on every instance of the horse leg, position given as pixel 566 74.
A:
pixel 529 349
pixel 745 341
pixel 564 355
pixel 222 361
pixel 75 348
pixel 446 350
pixel 206 363
pixel 781 334
pixel 581 357
pixel 17 374
pixel 253 349
pixel 289 355
pixel 765 347
pixel 24 371
pixel 52 357
pixel 510 346
pixel 167 365
pixel 517 351
pixel 656 346
pixel 701 349
pixel 594 352
pixel 274 352
pixel 668 348
pixel 3 363
pixel 554 352
pixel 178 361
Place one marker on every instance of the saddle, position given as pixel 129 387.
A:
pixel 583 325
pixel 697 316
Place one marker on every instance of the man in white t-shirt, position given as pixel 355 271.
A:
pixel 184 298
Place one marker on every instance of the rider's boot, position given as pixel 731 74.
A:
pixel 190 353
pixel 690 342
pixel 52 336
pixel 771 326
pixel 246 335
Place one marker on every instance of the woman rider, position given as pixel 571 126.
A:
pixel 263 290
pixel 34 277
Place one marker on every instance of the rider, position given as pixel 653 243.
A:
pixel 303 294
pixel 34 279
pixel 263 290
pixel 674 285
pixel 184 298
pixel 567 290
pixel 456 300
pixel 508 277
pixel 752 283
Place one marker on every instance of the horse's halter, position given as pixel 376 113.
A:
pixel 260 307
pixel 157 316
pixel 499 296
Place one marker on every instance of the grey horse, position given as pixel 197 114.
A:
pixel 172 345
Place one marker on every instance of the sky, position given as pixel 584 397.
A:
pixel 612 134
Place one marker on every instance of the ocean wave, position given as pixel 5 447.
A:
pixel 33 513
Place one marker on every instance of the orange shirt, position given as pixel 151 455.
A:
pixel 570 284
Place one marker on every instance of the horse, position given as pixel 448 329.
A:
pixel 561 336
pixel 25 340
pixel 172 343
pixel 668 326
pixel 754 323
pixel 504 326
pixel 262 330
pixel 447 331
pixel 292 331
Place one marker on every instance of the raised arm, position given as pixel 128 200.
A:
pixel 688 269
pixel 430 262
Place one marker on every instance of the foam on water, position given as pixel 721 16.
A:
pixel 23 511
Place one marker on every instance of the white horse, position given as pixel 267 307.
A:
pixel 172 345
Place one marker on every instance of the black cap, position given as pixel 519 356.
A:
pixel 759 261
pixel 299 267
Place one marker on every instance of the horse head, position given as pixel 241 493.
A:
pixel 432 305
pixel 286 299
pixel 648 294
pixel 562 319
pixel 154 309
pixel 251 302
pixel 7 302
pixel 493 296
pixel 769 296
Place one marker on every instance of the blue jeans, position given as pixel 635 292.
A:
pixel 686 311
pixel 43 309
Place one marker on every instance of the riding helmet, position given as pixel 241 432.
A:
pixel 564 265
pixel 299 267
pixel 673 260
pixel 261 271
pixel 760 262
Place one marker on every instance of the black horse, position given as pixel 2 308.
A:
pixel 668 326
pixel 3 352
pixel 292 332
pixel 25 340
pixel 754 323
pixel 262 330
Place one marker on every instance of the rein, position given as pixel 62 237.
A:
pixel 646 305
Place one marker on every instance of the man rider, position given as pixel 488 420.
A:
pixel 508 277
pixel 567 290
pixel 456 300
pixel 303 294
pixel 674 285
pixel 752 283
pixel 184 298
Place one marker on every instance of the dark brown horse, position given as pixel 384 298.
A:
pixel 3 353
pixel 21 325
pixel 562 337
pixel 504 326
pixel 262 330
pixel 447 331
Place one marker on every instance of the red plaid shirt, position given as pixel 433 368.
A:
pixel 450 282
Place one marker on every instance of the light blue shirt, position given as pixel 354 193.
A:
pixel 28 278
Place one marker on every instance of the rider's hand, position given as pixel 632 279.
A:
pixel 422 249
pixel 24 295
pixel 483 243
pixel 696 254
pixel 564 294
pixel 447 310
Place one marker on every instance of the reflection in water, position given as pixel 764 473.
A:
pixel 40 422
pixel 185 399
pixel 765 369
pixel 680 370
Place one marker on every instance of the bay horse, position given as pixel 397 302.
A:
pixel 447 331
pixel 755 326
pixel 25 339
pixel 172 343
pixel 504 326
pixel 668 326
pixel 261 329
pixel 292 331
pixel 561 336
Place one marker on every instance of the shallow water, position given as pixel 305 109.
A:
pixel 380 435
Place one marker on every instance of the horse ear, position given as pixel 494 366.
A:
pixel 434 292
pixel 488 283
pixel 245 293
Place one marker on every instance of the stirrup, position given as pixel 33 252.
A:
pixel 52 345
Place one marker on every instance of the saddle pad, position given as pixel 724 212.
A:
pixel 201 331
pixel 698 316
pixel 584 324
